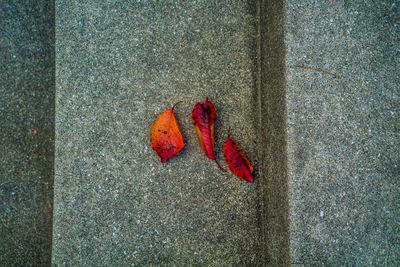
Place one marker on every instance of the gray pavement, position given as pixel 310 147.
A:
pixel 118 67
pixel 310 89
pixel 343 132
pixel 27 89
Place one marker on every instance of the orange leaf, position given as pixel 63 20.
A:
pixel 237 161
pixel 166 138
pixel 203 119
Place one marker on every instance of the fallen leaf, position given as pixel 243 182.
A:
pixel 166 138
pixel 237 161
pixel 203 119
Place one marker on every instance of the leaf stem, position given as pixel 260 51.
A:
pixel 176 104
pixel 222 169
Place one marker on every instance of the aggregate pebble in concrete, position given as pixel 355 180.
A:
pixel 119 65
pixel 343 132
pixel 27 90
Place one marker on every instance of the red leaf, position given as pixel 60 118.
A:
pixel 166 138
pixel 237 161
pixel 203 119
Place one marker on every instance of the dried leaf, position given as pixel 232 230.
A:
pixel 237 161
pixel 203 119
pixel 166 138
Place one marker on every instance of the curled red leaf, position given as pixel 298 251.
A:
pixel 203 119
pixel 166 138
pixel 237 161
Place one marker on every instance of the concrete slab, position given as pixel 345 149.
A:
pixel 119 65
pixel 343 131
pixel 27 89
pixel 311 90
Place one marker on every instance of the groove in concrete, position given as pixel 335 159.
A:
pixel 272 115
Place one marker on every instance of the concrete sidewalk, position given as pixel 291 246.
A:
pixel 312 93
pixel 118 67
pixel 343 131
pixel 310 89
pixel 27 89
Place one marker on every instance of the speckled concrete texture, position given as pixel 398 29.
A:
pixel 27 89
pixel 119 65
pixel 343 132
